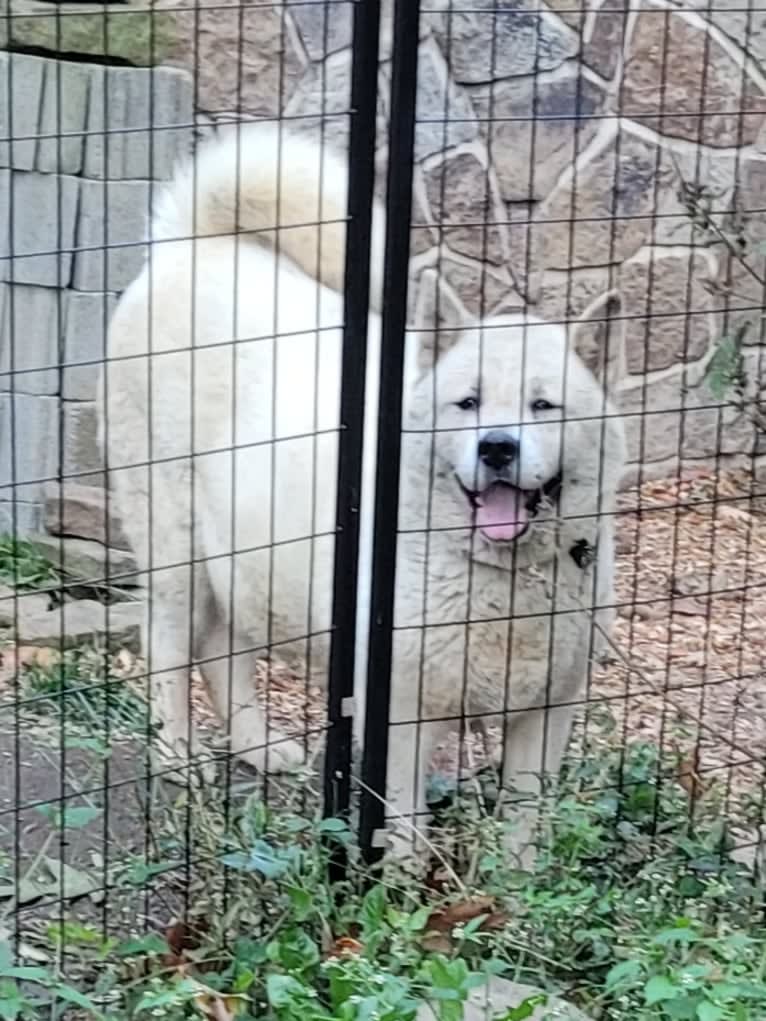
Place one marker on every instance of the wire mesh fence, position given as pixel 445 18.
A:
pixel 381 553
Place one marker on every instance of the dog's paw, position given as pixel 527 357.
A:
pixel 281 755
pixel 174 762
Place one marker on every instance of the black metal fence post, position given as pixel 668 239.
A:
pixel 401 138
pixel 364 95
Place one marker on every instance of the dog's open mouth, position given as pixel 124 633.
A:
pixel 503 512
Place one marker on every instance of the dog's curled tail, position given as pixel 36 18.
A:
pixel 258 178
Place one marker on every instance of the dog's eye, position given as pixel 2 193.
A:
pixel 468 404
pixel 542 405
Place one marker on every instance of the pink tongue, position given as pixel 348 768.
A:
pixel 501 514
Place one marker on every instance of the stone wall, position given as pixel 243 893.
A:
pixel 607 145
pixel 562 150
pixel 80 147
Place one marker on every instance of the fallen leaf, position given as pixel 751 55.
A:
pixel 345 946
pixel 689 779
pixel 445 919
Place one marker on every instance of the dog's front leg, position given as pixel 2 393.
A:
pixel 534 747
pixel 411 750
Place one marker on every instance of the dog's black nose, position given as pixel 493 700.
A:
pixel 497 449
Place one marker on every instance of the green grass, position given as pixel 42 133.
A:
pixel 24 566
pixel 635 911
pixel 81 687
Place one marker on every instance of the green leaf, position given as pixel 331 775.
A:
pixel 146 946
pixel 281 990
pixel 708 1011
pixel 625 971
pixel 69 817
pixel 525 1009
pixel 725 366
pixel 659 988
pixel 71 995
pixel 333 826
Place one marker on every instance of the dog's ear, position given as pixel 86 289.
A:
pixel 598 337
pixel 439 318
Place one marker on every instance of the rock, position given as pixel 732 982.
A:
pixel 247 58
pixel 20 106
pixel 608 216
pixel 63 115
pixel 675 415
pixel 571 14
pixel 14 604
pixel 82 512
pixel 603 38
pixel 745 24
pixel 667 306
pixel 72 624
pixel 480 287
pixel 85 561
pixel 139 37
pixel 565 295
pixel 321 101
pixel 323 28
pixel 501 39
pixel 29 455
pixel 139 122
pixel 87 318
pixel 83 461
pixel 124 205
pixel 463 195
pixel 500 996
pixel 45 208
pixel 705 97
pixel 535 128
pixel 30 326
pixel 445 116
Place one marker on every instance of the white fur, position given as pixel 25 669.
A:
pixel 178 394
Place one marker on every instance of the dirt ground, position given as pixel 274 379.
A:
pixel 687 670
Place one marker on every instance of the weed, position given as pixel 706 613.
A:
pixel 635 911
pixel 24 566
pixel 82 686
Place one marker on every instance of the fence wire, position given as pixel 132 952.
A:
pixel 381 488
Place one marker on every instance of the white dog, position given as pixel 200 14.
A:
pixel 221 404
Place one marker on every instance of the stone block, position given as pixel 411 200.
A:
pixel 88 562
pixel 677 416
pixel 73 623
pixel 705 96
pixel 139 123
pixel 31 322
pixel 87 319
pixel 29 445
pixel 43 229
pixel 139 37
pixel 535 128
pixel 445 116
pixel 110 230
pixel 18 517
pixel 83 512
pixel 668 307
pixel 244 57
pixel 82 460
pixel 503 998
pixel 63 116
pixel 603 37
pixel 324 28
pixel 21 88
pixel 463 194
pixel 606 218
pixel 500 39
pixel 322 101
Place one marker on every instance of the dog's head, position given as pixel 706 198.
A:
pixel 522 428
